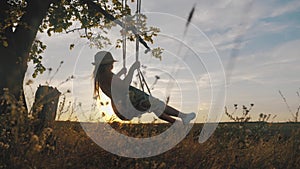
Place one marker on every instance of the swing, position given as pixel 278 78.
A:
pixel 132 102
pixel 141 103
pixel 140 74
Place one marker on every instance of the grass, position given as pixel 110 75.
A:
pixel 252 145
pixel 64 144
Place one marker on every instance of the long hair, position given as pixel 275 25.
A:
pixel 98 72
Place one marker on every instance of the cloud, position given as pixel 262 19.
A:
pixel 277 66
pixel 286 8
pixel 229 21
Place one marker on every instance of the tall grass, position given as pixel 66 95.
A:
pixel 294 115
pixel 19 142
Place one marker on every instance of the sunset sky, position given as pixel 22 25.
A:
pixel 263 35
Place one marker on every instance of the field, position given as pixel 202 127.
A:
pixel 233 145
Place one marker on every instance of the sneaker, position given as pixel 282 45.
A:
pixel 188 117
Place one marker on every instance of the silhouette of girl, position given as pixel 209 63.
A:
pixel 128 101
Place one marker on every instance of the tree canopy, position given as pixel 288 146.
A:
pixel 21 20
pixel 60 16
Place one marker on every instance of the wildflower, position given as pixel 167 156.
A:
pixel 37 148
pixel 34 138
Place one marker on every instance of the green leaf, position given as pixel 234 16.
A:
pixel 59 29
pixel 49 32
pixel 5 43
pixel 72 46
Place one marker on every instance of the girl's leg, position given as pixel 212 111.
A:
pixel 158 106
pixel 168 112
pixel 186 118
pixel 167 118
pixel 171 111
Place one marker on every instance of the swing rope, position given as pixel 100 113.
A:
pixel 140 74
pixel 137 35
pixel 124 31
pixel 141 77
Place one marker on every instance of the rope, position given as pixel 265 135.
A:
pixel 124 4
pixel 144 80
pixel 138 12
pixel 141 77
pixel 140 74
pixel 137 44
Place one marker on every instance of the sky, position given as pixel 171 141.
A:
pixel 234 52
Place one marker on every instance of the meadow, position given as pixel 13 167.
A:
pixel 233 145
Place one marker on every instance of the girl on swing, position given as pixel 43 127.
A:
pixel 133 102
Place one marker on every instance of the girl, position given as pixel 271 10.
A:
pixel 128 101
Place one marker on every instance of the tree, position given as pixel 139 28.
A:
pixel 21 20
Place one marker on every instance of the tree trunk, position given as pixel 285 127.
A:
pixel 12 74
pixel 14 57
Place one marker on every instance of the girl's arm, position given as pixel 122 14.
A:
pixel 127 80
pixel 120 84
pixel 121 72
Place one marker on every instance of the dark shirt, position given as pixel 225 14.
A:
pixel 106 87
pixel 105 83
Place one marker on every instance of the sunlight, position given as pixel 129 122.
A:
pixel 105 109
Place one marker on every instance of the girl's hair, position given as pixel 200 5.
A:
pixel 98 72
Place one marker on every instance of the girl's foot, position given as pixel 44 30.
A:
pixel 186 118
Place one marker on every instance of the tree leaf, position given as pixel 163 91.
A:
pixel 5 43
pixel 72 46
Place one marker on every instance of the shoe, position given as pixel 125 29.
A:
pixel 188 117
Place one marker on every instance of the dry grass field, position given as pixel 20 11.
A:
pixel 233 145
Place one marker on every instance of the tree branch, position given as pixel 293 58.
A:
pixel 73 30
pixel 110 17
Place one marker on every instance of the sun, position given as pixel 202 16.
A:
pixel 105 109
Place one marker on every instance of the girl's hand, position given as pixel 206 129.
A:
pixel 123 71
pixel 136 65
